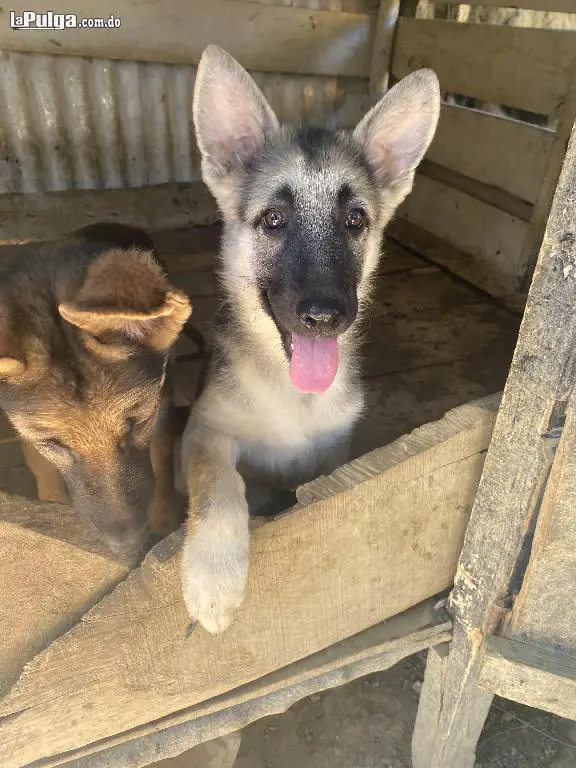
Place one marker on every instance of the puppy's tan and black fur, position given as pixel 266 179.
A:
pixel 304 211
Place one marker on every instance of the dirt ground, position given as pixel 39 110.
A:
pixel 368 724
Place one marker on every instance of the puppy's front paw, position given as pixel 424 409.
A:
pixel 215 569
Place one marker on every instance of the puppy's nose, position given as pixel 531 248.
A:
pixel 321 315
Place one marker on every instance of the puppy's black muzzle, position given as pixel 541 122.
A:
pixel 322 317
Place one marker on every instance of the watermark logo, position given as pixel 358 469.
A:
pixel 57 21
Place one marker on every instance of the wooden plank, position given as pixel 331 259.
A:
pixel 441 252
pixel 543 202
pixel 144 668
pixel 216 753
pixel 554 6
pixel 504 153
pixel 530 674
pixel 450 685
pixel 543 611
pixel 382 46
pixel 492 239
pixel 470 59
pixel 45 216
pixel 265 38
pixel 516 471
pixel 41 602
pixel 373 650
pixel 494 196
pixel 430 706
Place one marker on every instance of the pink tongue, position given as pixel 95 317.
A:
pixel 313 364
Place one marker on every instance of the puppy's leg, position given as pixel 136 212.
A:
pixel 215 552
pixel 167 509
pixel 49 483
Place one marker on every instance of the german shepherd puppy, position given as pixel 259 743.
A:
pixel 304 212
pixel 86 327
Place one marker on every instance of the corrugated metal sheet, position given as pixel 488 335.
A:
pixel 72 123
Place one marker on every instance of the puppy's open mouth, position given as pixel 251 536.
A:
pixel 313 360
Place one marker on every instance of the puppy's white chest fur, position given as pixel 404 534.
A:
pixel 299 436
pixel 284 436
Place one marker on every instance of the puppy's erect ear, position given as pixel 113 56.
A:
pixel 126 293
pixel 231 116
pixel 397 131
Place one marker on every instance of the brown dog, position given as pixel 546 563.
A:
pixel 87 325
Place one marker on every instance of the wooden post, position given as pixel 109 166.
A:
pixel 382 48
pixel 518 463
pixel 537 225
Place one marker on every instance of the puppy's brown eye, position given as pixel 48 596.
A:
pixel 274 219
pixel 355 219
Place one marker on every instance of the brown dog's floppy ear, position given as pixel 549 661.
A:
pixel 125 292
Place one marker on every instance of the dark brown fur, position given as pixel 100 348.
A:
pixel 86 329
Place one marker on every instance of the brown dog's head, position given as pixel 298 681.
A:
pixel 85 333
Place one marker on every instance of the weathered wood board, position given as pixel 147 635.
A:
pixel 267 38
pixel 382 46
pixel 530 674
pixel 543 611
pixel 556 6
pixel 53 571
pixel 377 537
pixel 43 216
pixel 491 238
pixel 373 650
pixel 493 63
pixel 498 151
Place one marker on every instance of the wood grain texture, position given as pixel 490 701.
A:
pixel 491 239
pixel 401 510
pixel 492 63
pixel 452 708
pixel 556 6
pixel 530 674
pixel 486 193
pixel 537 225
pixel 53 571
pixel 543 611
pixel 459 262
pixel 503 153
pixel 44 216
pixel 516 471
pixel 264 38
pixel 382 46
pixel 373 650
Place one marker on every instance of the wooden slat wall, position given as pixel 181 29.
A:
pixel 497 165
pixel 265 38
pixel 490 238
pixel 494 63
pixel 504 153
pixel 533 675
pixel 554 6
